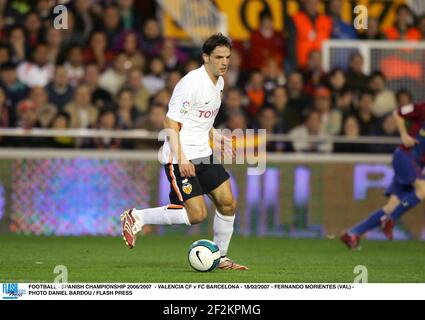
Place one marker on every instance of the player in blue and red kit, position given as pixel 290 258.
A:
pixel 407 188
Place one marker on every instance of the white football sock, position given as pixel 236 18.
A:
pixel 223 230
pixel 166 215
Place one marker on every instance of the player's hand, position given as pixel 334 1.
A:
pixel 408 141
pixel 187 169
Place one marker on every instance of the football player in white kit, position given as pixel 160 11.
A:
pixel 188 158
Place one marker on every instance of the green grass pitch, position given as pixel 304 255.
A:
pixel 164 259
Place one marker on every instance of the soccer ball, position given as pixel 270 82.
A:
pixel 204 255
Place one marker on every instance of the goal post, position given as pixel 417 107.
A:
pixel 402 62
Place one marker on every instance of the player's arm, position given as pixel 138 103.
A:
pixel 186 168
pixel 179 107
pixel 399 116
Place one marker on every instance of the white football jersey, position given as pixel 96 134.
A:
pixel 194 104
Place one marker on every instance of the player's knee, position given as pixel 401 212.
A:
pixel 420 193
pixel 420 190
pixel 228 208
pixel 388 208
pixel 197 214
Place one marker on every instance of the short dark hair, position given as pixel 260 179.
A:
pixel 265 14
pixel 307 113
pixel 122 91
pixel 156 105
pixel 233 89
pixel 355 55
pixel 61 114
pixel 366 92
pixel 404 91
pixel 345 89
pixel 378 74
pixel 4 46
pixel 8 66
pixel 266 108
pixel 107 110
pixel 403 7
pixel 216 40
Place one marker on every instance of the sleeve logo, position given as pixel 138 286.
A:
pixel 185 107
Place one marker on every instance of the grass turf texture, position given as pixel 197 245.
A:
pixel 164 259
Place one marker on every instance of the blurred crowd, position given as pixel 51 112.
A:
pixel 112 68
